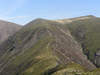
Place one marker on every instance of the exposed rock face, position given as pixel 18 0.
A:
pixel 7 29
pixel 97 58
pixel 40 48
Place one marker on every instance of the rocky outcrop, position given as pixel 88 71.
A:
pixel 97 58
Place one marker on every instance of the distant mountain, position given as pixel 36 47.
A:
pixel 86 31
pixel 66 21
pixel 7 29
pixel 43 47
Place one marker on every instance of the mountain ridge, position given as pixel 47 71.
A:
pixel 69 20
pixel 47 42
pixel 46 47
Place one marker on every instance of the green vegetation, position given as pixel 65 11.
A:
pixel 69 69
pixel 87 32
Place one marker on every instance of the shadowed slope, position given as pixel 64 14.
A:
pixel 7 29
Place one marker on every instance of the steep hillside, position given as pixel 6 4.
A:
pixel 42 47
pixel 7 29
pixel 87 32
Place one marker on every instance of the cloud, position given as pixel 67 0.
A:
pixel 22 20
pixel 18 17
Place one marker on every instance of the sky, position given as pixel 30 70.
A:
pixel 24 11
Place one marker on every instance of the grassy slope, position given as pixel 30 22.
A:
pixel 39 55
pixel 42 59
pixel 40 52
pixel 91 27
